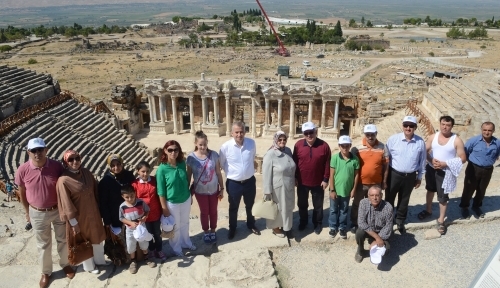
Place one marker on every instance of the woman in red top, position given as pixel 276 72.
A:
pixel 145 188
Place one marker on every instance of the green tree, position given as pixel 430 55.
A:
pixel 176 19
pixel 363 21
pixel 369 24
pixel 215 16
pixel 337 31
pixel 5 48
pixel 389 26
pixel 352 23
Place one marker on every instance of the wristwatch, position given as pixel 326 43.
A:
pixel 332 190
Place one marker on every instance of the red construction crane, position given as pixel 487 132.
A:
pixel 282 50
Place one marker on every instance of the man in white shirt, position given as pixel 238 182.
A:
pixel 237 160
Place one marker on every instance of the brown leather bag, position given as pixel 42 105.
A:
pixel 79 249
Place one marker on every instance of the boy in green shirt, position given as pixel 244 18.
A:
pixel 344 168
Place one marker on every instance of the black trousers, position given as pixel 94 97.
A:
pixel 361 235
pixel 154 228
pixel 401 186
pixel 318 195
pixel 476 180
pixel 235 191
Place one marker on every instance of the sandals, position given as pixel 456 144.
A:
pixel 441 227
pixel 278 232
pixel 424 214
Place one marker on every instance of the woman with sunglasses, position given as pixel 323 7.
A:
pixel 175 197
pixel 77 202
pixel 110 196
pixel 278 178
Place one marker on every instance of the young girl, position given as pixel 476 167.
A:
pixel 145 188
pixel 203 165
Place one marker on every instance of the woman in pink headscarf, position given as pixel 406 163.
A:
pixel 77 203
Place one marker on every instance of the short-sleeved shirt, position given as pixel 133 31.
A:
pixel 133 213
pixel 40 182
pixel 344 173
pixel 208 183
pixel 171 182
pixel 372 161
pixel 238 161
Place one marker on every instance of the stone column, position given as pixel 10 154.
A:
pixel 254 132
pixel 151 110
pixel 162 108
pixel 191 114
pixel 174 112
pixel 310 111
pixel 203 110
pixel 336 116
pixel 323 111
pixel 266 122
pixel 228 116
pixel 280 113
pixel 216 110
pixel 292 118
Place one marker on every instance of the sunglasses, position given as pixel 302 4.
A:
pixel 307 133
pixel 281 140
pixel 345 145
pixel 408 125
pixel 37 150
pixel 170 150
pixel 370 134
pixel 71 160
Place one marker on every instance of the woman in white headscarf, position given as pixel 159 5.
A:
pixel 278 173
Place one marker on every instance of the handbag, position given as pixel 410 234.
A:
pixel 79 251
pixel 265 209
pixel 114 249
pixel 193 186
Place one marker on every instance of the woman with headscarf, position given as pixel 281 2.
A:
pixel 278 178
pixel 110 196
pixel 77 203
pixel 175 197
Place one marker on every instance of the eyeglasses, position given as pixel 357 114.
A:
pixel 71 160
pixel 282 140
pixel 308 132
pixel 370 135
pixel 170 150
pixel 408 125
pixel 37 150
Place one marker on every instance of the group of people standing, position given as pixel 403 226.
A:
pixel 68 197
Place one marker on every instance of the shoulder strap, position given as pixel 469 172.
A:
pixel 204 167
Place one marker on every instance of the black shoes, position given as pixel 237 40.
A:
pixel 401 229
pixel 353 229
pixel 231 234
pixel 318 229
pixel 343 234
pixel 465 213
pixel 479 213
pixel 302 226
pixel 332 233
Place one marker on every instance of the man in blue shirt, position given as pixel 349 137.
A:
pixel 482 151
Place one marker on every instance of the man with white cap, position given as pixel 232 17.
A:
pixel 312 159
pixel 37 181
pixel 407 157
pixel 344 175
pixel 375 224
pixel 373 158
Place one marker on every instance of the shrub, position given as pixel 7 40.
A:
pixel 482 47
pixel 32 61
pixel 431 54
pixel 382 50
pixel 412 40
pixel 5 48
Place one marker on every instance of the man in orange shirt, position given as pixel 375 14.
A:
pixel 373 157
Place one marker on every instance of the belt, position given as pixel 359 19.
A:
pixel 402 173
pixel 240 181
pixel 482 167
pixel 44 209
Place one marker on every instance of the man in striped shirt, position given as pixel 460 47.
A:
pixel 407 156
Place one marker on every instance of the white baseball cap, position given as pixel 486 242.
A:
pixel 308 126
pixel 36 143
pixel 167 223
pixel 370 128
pixel 376 254
pixel 345 140
pixel 141 234
pixel 411 119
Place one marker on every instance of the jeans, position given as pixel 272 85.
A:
pixel 318 195
pixel 154 228
pixel 338 213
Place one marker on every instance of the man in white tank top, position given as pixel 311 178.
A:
pixel 441 147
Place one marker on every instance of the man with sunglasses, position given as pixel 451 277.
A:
pixel 312 158
pixel 37 180
pixel 373 157
pixel 407 157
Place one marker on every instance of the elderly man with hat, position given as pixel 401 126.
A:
pixel 373 158
pixel 344 177
pixel 312 159
pixel 407 158
pixel 37 181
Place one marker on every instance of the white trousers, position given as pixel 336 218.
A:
pixel 98 259
pixel 181 231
